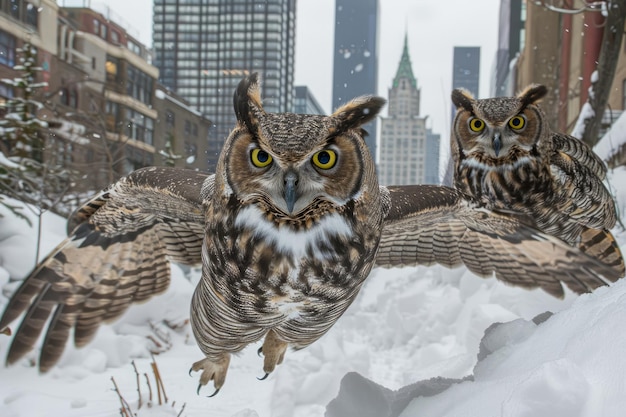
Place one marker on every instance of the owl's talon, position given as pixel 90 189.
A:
pixel 259 351
pixel 274 351
pixel 190 371
pixel 212 370
pixel 208 396
pixel 264 377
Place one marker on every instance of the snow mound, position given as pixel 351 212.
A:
pixel 564 365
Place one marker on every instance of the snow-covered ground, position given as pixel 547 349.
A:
pixel 407 325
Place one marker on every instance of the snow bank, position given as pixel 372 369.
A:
pixel 569 365
pixel 612 140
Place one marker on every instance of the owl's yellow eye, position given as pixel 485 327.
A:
pixel 260 158
pixel 325 159
pixel 517 122
pixel 476 124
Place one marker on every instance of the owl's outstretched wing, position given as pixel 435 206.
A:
pixel 432 224
pixel 118 253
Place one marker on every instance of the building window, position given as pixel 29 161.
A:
pixel 112 68
pixel 170 119
pixel 112 116
pixel 7 49
pixel 139 127
pixel 134 47
pixel 32 15
pixel 111 108
pixel 21 10
pixel 139 85
pixel 69 97
pixel 14 8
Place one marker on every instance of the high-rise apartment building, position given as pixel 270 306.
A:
pixel 466 68
pixel 409 153
pixel 465 74
pixel 355 65
pixel 205 47
pixel 431 162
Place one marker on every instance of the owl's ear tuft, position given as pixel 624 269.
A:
pixel 463 99
pixel 247 102
pixel 532 94
pixel 357 112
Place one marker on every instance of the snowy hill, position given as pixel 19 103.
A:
pixel 407 325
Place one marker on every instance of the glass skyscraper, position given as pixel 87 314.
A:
pixel 466 70
pixel 203 48
pixel 355 67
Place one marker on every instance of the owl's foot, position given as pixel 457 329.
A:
pixel 274 351
pixel 212 370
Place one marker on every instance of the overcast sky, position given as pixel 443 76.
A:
pixel 434 28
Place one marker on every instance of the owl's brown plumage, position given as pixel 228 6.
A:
pixel 286 231
pixel 507 157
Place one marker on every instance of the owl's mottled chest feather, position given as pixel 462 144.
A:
pixel 504 182
pixel 289 267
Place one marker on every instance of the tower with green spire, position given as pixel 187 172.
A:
pixel 404 95
pixel 407 147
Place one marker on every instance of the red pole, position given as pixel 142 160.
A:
pixel 564 68
pixel 592 31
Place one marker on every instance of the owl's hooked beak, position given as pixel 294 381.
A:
pixel 291 182
pixel 496 142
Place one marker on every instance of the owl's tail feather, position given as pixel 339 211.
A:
pixel 601 244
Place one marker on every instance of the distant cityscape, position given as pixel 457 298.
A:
pixel 172 104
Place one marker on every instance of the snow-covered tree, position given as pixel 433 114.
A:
pixel 24 174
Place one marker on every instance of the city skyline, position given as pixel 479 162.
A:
pixel 432 30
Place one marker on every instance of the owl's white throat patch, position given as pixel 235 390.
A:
pixel 289 241
pixel 474 163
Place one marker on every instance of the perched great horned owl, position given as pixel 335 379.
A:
pixel 286 230
pixel 507 157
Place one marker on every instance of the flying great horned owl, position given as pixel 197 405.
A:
pixel 507 157
pixel 286 230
